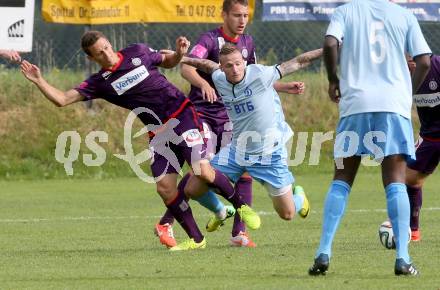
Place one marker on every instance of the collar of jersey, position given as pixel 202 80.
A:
pixel 228 38
pixel 118 64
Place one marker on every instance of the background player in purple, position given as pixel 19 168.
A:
pixel 216 125
pixel 130 79
pixel 427 100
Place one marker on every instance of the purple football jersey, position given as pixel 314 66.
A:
pixel 208 47
pixel 136 82
pixel 427 100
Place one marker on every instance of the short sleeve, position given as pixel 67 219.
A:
pixel 336 27
pixel 88 89
pixel 154 56
pixel 416 43
pixel 216 75
pixel 269 74
pixel 202 47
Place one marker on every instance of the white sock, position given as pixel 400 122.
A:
pixel 221 214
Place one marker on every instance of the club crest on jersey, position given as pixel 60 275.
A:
pixel 433 85
pixel 245 53
pixel 106 74
pixel 192 137
pixel 247 92
pixel 136 61
pixel 130 79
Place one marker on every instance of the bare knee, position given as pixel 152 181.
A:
pixel 282 201
pixel 415 183
pixel 346 169
pixel 393 169
pixel 415 178
pixel 166 192
pixel 205 176
pixel 204 171
pixel 195 187
pixel 190 187
pixel 286 215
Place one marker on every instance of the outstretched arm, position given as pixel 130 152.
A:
pixel 10 55
pixel 171 59
pixel 204 65
pixel 56 96
pixel 295 88
pixel 301 61
pixel 288 67
pixel 192 76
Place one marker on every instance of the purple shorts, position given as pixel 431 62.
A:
pixel 217 133
pixel 178 141
pixel 427 156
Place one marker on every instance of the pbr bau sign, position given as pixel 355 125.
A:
pixel 16 24
pixel 134 11
pixel 321 10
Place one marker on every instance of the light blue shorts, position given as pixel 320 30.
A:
pixel 272 170
pixel 377 134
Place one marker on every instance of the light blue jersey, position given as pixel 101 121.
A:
pixel 254 108
pixel 375 35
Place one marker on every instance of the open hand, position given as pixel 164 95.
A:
pixel 208 93
pixel 10 55
pixel 30 71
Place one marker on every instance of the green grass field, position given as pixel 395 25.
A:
pixel 97 234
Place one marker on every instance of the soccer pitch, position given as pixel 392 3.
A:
pixel 98 234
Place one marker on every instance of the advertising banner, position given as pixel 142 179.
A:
pixel 134 11
pixel 321 10
pixel 16 24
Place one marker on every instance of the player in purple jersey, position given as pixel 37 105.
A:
pixel 216 125
pixel 130 79
pixel 10 55
pixel 427 100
